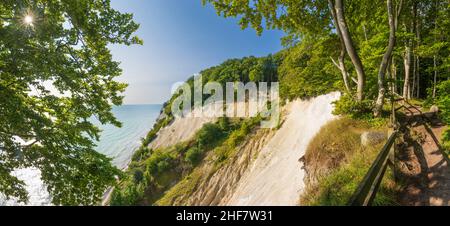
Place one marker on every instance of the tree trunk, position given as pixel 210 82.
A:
pixel 351 51
pixel 394 75
pixel 412 91
pixel 398 11
pixel 341 65
pixel 407 63
pixel 417 57
pixel 435 76
pixel 385 61
pixel 418 78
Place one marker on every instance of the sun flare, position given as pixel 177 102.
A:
pixel 28 20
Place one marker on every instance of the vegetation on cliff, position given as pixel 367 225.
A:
pixel 157 171
pixel 370 51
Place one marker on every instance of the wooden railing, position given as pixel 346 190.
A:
pixel 368 188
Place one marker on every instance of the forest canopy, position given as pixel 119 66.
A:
pixel 380 49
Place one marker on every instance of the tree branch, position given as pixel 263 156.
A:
pixel 335 63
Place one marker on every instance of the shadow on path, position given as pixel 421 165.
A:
pixel 424 167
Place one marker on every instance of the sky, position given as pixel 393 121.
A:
pixel 181 38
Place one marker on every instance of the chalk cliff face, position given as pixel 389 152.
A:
pixel 181 129
pixel 265 169
pixel 276 176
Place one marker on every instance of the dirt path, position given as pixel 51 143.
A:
pixel 425 166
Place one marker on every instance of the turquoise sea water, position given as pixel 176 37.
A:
pixel 120 143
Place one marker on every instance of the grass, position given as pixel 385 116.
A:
pixel 182 189
pixel 335 144
pixel 337 163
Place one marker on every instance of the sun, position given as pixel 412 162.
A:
pixel 28 19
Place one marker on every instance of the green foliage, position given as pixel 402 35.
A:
pixel 138 176
pixel 66 46
pixel 159 162
pixel 290 16
pixel 264 71
pixel 224 124
pixel 227 149
pixel 307 71
pixel 247 69
pixel 347 105
pixel 208 134
pixel 129 196
pixel 443 102
pixel 141 153
pixel 311 34
pixel 193 155
pixel 446 141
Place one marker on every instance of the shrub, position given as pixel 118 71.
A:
pixel 442 100
pixel 159 163
pixel 224 124
pixel 194 155
pixel 347 105
pixel 209 134
pixel 129 195
pixel 446 141
pixel 163 165
pixel 141 153
pixel 138 176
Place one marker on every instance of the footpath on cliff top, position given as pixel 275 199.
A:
pixel 423 163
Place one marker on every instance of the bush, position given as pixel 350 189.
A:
pixel 224 124
pixel 129 195
pixel 141 153
pixel 159 162
pixel 442 100
pixel 347 105
pixel 163 165
pixel 194 155
pixel 138 176
pixel 209 134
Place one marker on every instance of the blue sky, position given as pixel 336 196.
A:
pixel 181 37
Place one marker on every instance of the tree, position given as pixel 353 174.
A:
pixel 56 73
pixel 341 59
pixel 386 58
pixel 300 17
pixel 341 23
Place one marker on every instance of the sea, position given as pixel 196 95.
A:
pixel 118 143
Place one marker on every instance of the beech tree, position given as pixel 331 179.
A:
pixel 56 73
pixel 317 18
pixel 368 33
